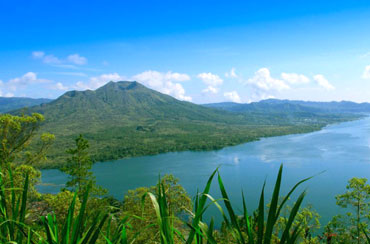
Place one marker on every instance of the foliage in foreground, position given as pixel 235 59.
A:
pixel 106 226
pixel 160 214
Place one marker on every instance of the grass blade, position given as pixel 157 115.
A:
pixel 292 216
pixel 198 214
pixel 261 216
pixel 247 222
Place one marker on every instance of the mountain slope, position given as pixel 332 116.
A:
pixel 129 101
pixel 123 119
pixel 288 106
pixel 12 103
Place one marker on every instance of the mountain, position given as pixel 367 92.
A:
pixel 126 101
pixel 337 107
pixel 263 106
pixel 124 119
pixel 289 106
pixel 12 103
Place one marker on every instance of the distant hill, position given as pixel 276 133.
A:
pixel 12 103
pixel 123 119
pixel 289 106
pixel 126 101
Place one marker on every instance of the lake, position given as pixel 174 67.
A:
pixel 341 150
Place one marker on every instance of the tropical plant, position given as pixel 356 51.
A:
pixel 78 168
pixel 80 226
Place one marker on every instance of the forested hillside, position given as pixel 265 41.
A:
pixel 123 119
pixel 289 106
pixel 11 103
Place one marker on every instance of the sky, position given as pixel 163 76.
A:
pixel 198 51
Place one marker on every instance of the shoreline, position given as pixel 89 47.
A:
pixel 306 130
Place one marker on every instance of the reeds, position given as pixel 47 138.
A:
pixel 243 228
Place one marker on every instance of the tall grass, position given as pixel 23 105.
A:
pixel 13 211
pixel 264 230
pixel 76 229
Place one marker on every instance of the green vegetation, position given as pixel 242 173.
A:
pixel 78 168
pixel 16 133
pixel 357 199
pixel 160 214
pixel 285 106
pixel 126 119
pixel 8 104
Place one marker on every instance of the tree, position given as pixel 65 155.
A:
pixel 356 196
pixel 19 151
pixel 143 216
pixel 78 168
pixel 16 135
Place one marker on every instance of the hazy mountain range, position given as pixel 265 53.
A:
pixel 8 104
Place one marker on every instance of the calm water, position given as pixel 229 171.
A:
pixel 341 150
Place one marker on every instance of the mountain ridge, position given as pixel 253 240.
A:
pixel 308 106
pixel 8 104
pixel 125 119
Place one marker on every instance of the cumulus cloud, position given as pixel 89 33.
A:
pixel 164 82
pixel 210 79
pixel 323 82
pixel 27 79
pixel 77 59
pixel 98 81
pixel 50 59
pixel 59 86
pixel 294 78
pixel 233 96
pixel 47 59
pixel 366 74
pixel 262 79
pixel 210 89
pixel 8 94
pixel 231 74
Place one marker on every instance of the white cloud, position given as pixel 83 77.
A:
pixel 77 59
pixel 231 74
pixel 294 78
pixel 59 86
pixel 177 76
pixel 210 79
pixel 51 59
pixel 38 54
pixel 164 82
pixel 210 89
pixel 27 79
pixel 98 81
pixel 64 63
pixel 233 96
pixel 323 82
pixel 79 74
pixel 9 94
pixel 366 74
pixel 262 79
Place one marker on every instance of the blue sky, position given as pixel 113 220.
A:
pixel 199 51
